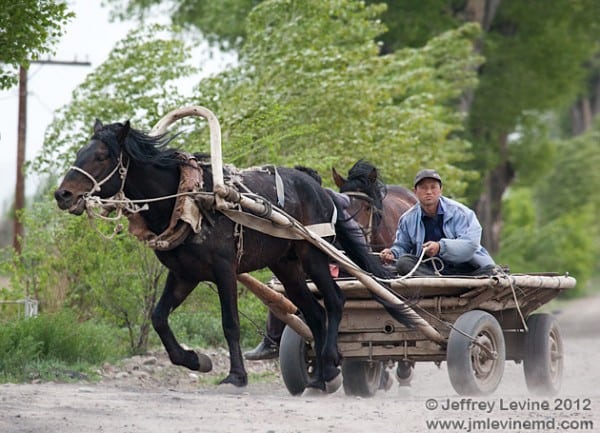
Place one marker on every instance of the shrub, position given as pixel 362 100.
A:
pixel 58 340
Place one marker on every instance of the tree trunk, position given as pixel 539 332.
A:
pixel 586 108
pixel 489 204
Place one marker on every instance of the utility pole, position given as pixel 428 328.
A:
pixel 21 136
pixel 20 183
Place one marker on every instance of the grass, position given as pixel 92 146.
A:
pixel 54 347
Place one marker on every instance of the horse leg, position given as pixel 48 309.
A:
pixel 227 289
pixel 317 267
pixel 174 293
pixel 293 279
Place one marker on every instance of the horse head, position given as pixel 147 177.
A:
pixel 99 168
pixel 362 177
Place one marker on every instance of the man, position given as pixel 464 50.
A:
pixel 448 231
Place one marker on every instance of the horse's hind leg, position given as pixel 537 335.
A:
pixel 317 267
pixel 227 285
pixel 174 293
pixel 293 278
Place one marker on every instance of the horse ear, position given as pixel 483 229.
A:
pixel 98 125
pixel 337 178
pixel 373 175
pixel 123 132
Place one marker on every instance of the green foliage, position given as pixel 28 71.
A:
pixel 412 23
pixel 222 22
pixel 536 54
pixel 532 150
pixel 566 244
pixel 51 344
pixel 138 81
pixel 117 280
pixel 311 89
pixel 573 182
pixel 28 29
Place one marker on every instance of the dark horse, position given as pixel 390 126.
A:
pixel 377 206
pixel 122 161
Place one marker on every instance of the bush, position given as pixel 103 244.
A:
pixel 57 340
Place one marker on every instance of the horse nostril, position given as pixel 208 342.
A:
pixel 62 195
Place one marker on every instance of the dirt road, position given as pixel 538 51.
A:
pixel 170 400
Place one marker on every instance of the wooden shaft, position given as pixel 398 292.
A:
pixel 279 305
pixel 369 282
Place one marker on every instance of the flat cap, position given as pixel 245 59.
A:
pixel 427 174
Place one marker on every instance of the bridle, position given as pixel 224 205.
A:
pixel 97 185
pixel 97 207
pixel 365 197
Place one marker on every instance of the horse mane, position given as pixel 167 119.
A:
pixel 311 172
pixel 364 177
pixel 139 146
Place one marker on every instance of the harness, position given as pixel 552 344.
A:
pixel 368 230
pixel 190 202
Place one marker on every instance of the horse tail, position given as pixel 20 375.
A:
pixel 350 237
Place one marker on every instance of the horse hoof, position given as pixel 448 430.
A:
pixel 237 380
pixel 204 363
pixel 334 384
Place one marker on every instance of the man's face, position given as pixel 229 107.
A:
pixel 428 191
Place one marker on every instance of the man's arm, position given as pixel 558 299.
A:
pixel 466 238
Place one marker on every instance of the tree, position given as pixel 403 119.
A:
pixel 138 81
pixel 118 280
pixel 540 56
pixel 312 89
pixel 29 29
pixel 222 22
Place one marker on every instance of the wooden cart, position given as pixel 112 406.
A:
pixel 485 321
pixel 474 324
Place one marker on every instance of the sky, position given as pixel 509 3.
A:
pixel 89 37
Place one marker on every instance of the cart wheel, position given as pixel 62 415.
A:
pixel 361 378
pixel 543 360
pixel 405 372
pixel 295 365
pixel 472 370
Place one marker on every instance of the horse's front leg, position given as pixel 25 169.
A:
pixel 174 293
pixel 227 288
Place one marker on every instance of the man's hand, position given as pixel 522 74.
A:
pixel 431 248
pixel 387 256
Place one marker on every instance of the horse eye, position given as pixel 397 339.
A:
pixel 102 155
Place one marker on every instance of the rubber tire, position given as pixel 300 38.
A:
pixel 361 378
pixel 293 361
pixel 543 359
pixel 469 373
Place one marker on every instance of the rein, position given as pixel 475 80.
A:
pixel 119 200
pixel 368 199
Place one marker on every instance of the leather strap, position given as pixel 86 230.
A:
pixel 264 225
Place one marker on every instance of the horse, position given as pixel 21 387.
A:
pixel 120 161
pixel 376 206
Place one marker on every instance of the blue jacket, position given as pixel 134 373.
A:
pixel 461 228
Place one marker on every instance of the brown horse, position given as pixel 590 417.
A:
pixel 374 205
